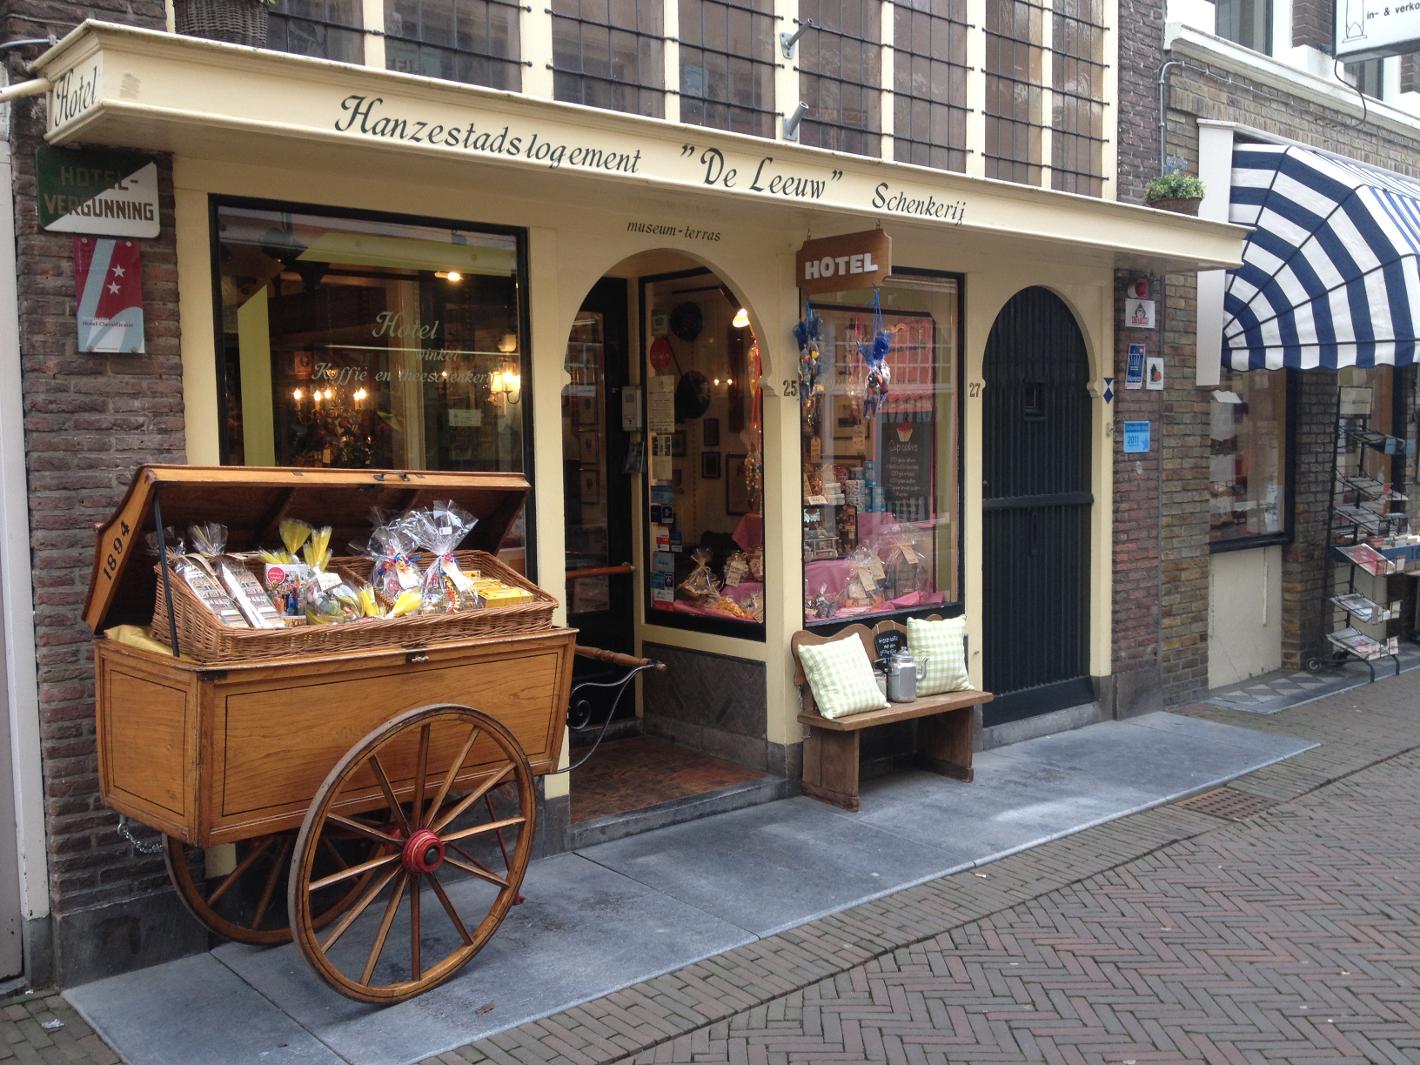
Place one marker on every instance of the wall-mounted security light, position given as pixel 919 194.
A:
pixel 791 121
pixel 787 41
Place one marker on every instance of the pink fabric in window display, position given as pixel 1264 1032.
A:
pixel 833 573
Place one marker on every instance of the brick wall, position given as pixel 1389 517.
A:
pixel 1137 499
pixel 89 421
pixel 1141 36
pixel 1305 573
pixel 1312 23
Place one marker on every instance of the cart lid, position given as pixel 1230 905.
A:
pixel 252 501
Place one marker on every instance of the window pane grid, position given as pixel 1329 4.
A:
pixel 326 29
pixel 929 72
pixel 1014 90
pixel 1077 156
pixel 609 54
pixel 840 69
pixel 471 41
pixel 727 65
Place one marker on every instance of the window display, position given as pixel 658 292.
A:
pixel 705 470
pixel 878 407
pixel 1248 460
pixel 369 343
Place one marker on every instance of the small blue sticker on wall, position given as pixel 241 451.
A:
pixel 1136 437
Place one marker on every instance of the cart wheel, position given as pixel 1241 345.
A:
pixel 446 795
pixel 245 905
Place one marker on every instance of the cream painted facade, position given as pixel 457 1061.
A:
pixel 241 123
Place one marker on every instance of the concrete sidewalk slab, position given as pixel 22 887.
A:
pixel 580 927
pixel 194 1011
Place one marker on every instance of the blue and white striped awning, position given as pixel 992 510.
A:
pixel 1329 275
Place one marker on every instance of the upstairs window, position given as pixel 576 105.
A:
pixel 1246 22
pixel 929 83
pixel 610 54
pixel 1368 77
pixel 1077 83
pixel 1014 90
pixel 326 29
pixel 727 64
pixel 472 41
pixel 840 71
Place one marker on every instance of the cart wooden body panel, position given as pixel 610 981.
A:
pixel 215 755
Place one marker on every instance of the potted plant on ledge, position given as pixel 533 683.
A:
pixel 234 21
pixel 1175 191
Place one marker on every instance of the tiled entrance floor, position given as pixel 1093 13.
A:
pixel 645 771
pixel 614 914
pixel 1276 691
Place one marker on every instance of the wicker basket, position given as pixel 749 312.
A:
pixel 234 21
pixel 203 638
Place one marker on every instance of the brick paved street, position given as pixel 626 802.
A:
pixel 1275 920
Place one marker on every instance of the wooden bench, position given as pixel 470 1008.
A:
pixel 945 733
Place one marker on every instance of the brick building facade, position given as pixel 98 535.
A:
pixel 1207 79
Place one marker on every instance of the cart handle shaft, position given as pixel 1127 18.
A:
pixel 615 659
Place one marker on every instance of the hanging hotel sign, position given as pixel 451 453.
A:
pixel 102 193
pixel 839 264
pixel 1369 29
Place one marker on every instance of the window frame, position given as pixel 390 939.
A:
pixel 215 203
pixel 516 61
pixel 1269 14
pixel 948 609
pixel 1292 389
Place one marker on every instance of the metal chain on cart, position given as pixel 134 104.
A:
pixel 142 847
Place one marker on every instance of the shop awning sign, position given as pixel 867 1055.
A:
pixel 843 263
pixel 100 193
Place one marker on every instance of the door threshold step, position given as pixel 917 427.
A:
pixel 689 808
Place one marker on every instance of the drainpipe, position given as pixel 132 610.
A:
pixel 1163 111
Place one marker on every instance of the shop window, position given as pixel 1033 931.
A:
pixel 610 54
pixel 472 41
pixel 704 457
pixel 880 484
pixel 1077 81
pixel 1245 22
pixel 1368 77
pixel 727 65
pixel 840 74
pixel 327 29
pixel 1014 90
pixel 929 83
pixel 1249 475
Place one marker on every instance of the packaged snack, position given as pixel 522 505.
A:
pixel 701 586
pixel 407 603
pixel 328 599
pixel 250 597
pixel 390 546
pixel 284 583
pixel 369 604
pixel 736 568
pixel 210 594
pixel 439 530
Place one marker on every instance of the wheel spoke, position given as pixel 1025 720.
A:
pixel 474 870
pixel 389 792
pixel 378 947
pixel 414 964
pixel 478 830
pixel 355 911
pixel 330 849
pixel 416 813
pixel 360 827
pixel 452 774
pixel 354 870
pixel 242 867
pixel 269 888
pixel 472 797
pixel 449 907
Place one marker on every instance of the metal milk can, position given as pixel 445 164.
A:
pixel 903 673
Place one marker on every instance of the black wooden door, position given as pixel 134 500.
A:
pixel 1036 503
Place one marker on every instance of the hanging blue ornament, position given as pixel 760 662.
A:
pixel 807 332
pixel 874 353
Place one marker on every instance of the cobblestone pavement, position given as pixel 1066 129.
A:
pixel 1274 920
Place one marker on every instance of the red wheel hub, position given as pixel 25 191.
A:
pixel 423 852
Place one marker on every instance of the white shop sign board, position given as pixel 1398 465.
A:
pixel 1368 29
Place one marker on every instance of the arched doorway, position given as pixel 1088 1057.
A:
pixel 1036 503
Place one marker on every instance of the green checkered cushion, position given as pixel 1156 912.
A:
pixel 841 677
pixel 943 644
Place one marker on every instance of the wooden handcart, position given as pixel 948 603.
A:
pixel 384 769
